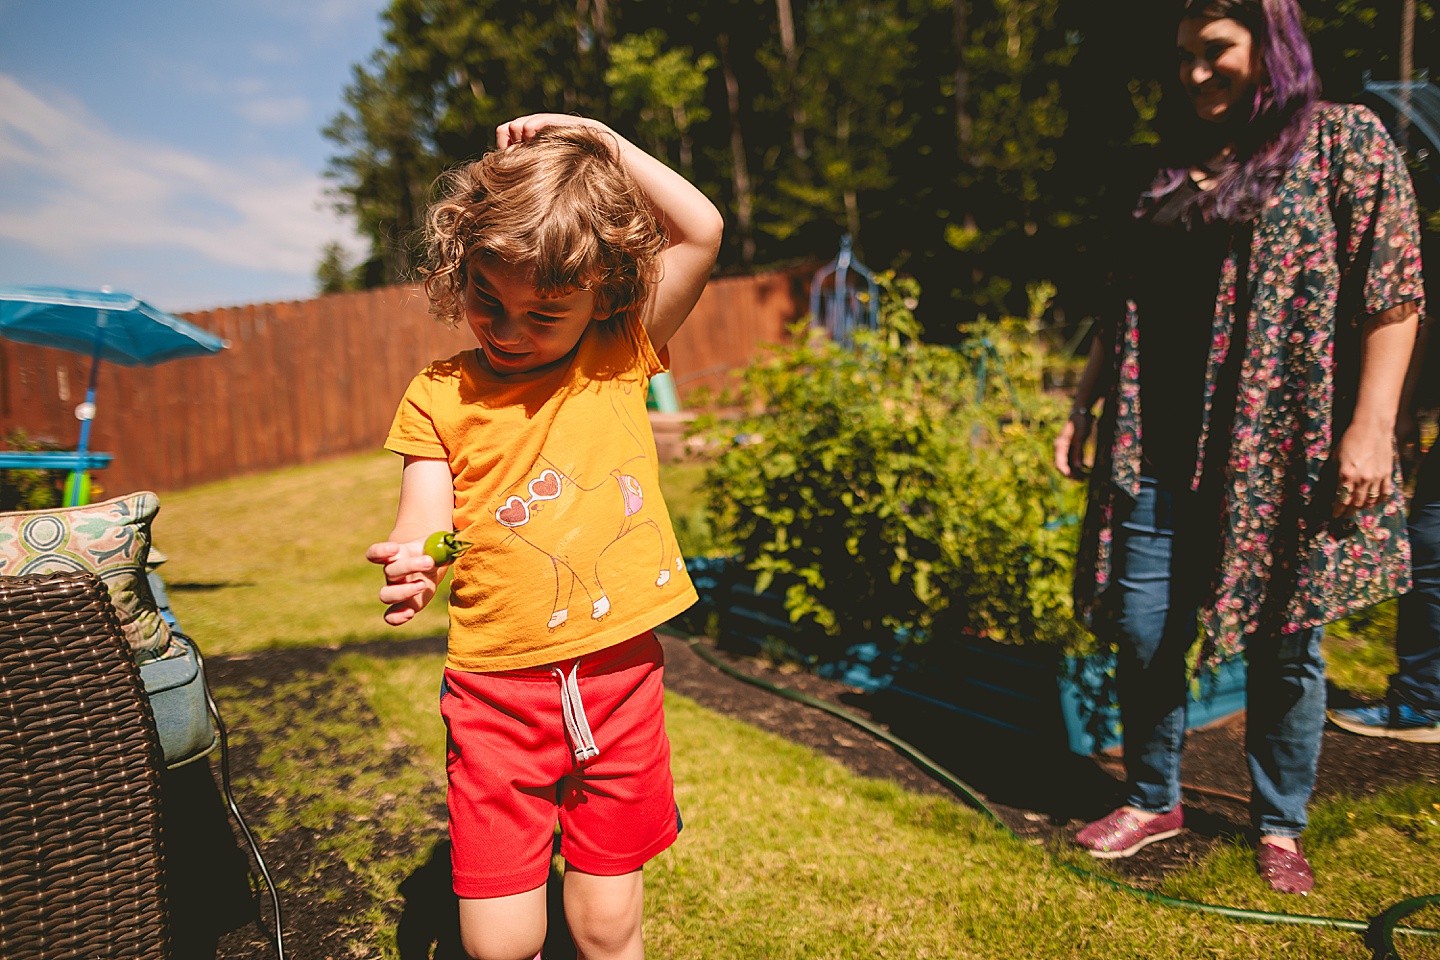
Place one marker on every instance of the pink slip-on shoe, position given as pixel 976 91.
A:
pixel 1122 833
pixel 1283 870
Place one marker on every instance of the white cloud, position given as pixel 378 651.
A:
pixel 72 189
pixel 275 111
pixel 274 53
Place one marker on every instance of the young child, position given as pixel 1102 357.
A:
pixel 573 257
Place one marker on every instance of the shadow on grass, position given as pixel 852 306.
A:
pixel 184 586
pixel 303 659
pixel 207 874
pixel 1027 774
pixel 429 927
pixel 1008 768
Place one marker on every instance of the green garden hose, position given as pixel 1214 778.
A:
pixel 1384 928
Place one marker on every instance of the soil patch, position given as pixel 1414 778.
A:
pixel 320 894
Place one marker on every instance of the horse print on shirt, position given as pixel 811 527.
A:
pixel 544 514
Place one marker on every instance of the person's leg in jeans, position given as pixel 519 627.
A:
pixel 1284 721
pixel 1152 638
pixel 1154 626
pixel 1417 640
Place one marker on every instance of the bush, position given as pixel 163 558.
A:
pixel 901 488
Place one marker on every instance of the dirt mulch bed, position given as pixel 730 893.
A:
pixel 1044 795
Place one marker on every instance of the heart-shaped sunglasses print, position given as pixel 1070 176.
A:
pixel 516 512
pixel 544 487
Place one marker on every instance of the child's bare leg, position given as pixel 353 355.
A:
pixel 604 914
pixel 504 928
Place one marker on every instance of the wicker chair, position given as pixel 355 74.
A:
pixel 81 870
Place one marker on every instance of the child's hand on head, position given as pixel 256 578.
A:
pixel 524 128
pixel 411 578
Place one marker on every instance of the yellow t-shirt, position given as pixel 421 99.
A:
pixel 557 488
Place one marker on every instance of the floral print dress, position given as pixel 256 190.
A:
pixel 1336 244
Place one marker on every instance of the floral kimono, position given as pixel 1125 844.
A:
pixel 1336 244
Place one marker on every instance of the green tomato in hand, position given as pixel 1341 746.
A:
pixel 443 547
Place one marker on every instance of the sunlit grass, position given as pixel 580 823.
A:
pixel 1360 650
pixel 278 559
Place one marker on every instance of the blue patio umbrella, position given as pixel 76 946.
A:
pixel 103 325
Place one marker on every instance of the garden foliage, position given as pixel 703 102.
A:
pixel 901 488
pixel 29 489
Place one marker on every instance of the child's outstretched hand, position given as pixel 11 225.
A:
pixel 411 578
pixel 523 128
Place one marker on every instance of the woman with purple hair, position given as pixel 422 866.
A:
pixel 1245 486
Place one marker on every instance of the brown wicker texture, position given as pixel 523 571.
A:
pixel 80 855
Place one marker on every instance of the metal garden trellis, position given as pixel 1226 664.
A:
pixel 1409 106
pixel 841 311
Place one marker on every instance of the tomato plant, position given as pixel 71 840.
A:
pixel 902 487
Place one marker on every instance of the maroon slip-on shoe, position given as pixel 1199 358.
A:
pixel 1283 870
pixel 1122 833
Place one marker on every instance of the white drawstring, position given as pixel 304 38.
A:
pixel 576 724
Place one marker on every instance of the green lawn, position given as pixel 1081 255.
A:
pixel 784 854
pixel 279 559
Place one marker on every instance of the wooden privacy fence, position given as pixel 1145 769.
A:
pixel 312 379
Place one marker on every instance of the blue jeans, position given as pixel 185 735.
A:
pixel 1417 638
pixel 1161 575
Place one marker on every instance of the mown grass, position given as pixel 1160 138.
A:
pixel 277 559
pixel 785 853
pixel 1360 650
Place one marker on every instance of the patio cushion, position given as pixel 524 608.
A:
pixel 110 540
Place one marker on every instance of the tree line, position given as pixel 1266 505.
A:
pixel 979 145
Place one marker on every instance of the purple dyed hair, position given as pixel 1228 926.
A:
pixel 1266 141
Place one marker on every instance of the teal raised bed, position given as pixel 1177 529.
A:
pixel 1035 691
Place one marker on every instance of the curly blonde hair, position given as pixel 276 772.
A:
pixel 563 205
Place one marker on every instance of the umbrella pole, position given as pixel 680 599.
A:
pixel 74 490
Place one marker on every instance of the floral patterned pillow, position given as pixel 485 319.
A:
pixel 110 540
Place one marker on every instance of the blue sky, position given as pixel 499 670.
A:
pixel 172 149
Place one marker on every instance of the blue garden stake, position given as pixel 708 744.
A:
pixel 842 312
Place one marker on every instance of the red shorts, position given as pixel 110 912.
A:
pixel 580 740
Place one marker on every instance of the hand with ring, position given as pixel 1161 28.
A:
pixel 1365 460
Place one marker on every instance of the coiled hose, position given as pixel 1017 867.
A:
pixel 1383 929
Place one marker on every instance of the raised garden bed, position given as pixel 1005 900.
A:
pixel 1062 700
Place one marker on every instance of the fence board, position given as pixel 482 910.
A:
pixel 303 381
